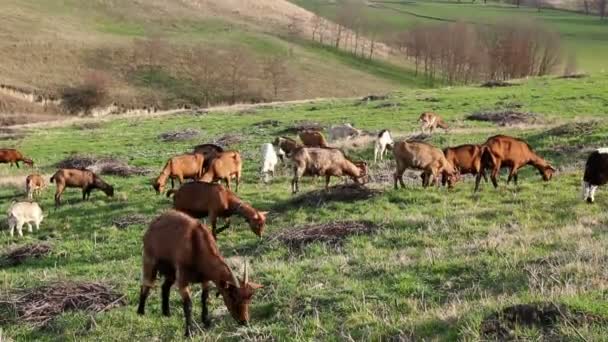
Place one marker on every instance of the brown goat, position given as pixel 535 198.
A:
pixel 183 250
pixel 34 184
pixel 77 178
pixel 313 161
pixel 466 159
pixel 199 199
pixel 225 166
pixel 12 156
pixel 429 121
pixel 504 151
pixel 185 166
pixel 313 139
pixel 209 152
pixel 288 145
pixel 421 156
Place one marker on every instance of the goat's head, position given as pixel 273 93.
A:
pixel 547 172
pixel 28 162
pixel 158 186
pixel 363 177
pixel 258 222
pixel 237 296
pixel 105 187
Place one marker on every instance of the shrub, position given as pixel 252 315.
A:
pixel 81 99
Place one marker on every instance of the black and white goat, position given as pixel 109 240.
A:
pixel 596 173
pixel 383 141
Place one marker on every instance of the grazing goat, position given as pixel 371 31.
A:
pixel 312 161
pixel 34 184
pixel 466 159
pixel 504 151
pixel 77 178
pixel 225 166
pixel 429 121
pixel 183 250
pixel 269 161
pixel 209 152
pixel 421 156
pixel 12 156
pixel 384 141
pixel 287 145
pixel 313 139
pixel 185 166
pixel 199 199
pixel 596 173
pixel 21 213
pixel 343 131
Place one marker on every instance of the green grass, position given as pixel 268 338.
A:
pixel 441 262
pixel 586 36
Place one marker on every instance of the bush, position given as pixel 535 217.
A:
pixel 81 99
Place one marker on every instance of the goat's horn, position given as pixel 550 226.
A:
pixel 246 273
pixel 235 280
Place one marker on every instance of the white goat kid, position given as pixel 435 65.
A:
pixel 383 140
pixel 269 160
pixel 21 213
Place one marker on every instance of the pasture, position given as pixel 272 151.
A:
pixel 437 265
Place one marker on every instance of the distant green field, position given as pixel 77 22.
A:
pixel 441 262
pixel 586 36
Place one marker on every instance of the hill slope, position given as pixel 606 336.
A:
pixel 439 264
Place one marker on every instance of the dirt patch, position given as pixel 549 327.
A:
pixel 88 126
pixel 506 118
pixel 494 84
pixel 125 221
pixel 332 233
pixel 544 316
pixel 228 140
pixel 574 129
pixel 101 165
pixel 18 255
pixel 340 193
pixel 186 134
pixel 38 306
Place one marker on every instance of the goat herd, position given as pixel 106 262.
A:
pixel 183 250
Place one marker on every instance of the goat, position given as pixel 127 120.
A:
pixel 180 167
pixel 313 139
pixel 77 178
pixel 209 152
pixel 287 145
pixel 183 250
pixel 504 151
pixel 225 166
pixel 596 173
pixel 12 156
pixel 384 141
pixel 343 131
pixel 21 213
pixel 269 161
pixel 466 159
pixel 34 184
pixel 313 161
pixel 421 156
pixel 429 121
pixel 200 199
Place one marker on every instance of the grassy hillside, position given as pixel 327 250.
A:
pixel 586 36
pixel 439 264
pixel 48 45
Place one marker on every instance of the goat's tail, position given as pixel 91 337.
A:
pixel 171 193
pixel 442 124
pixel 52 179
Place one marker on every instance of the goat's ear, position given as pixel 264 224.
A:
pixel 255 286
pixel 551 168
pixel 263 213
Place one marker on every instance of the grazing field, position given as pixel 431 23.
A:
pixel 428 264
pixel 584 36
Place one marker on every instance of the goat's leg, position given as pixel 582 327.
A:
pixel 184 291
pixel 224 227
pixel 512 172
pixel 29 227
pixel 20 228
pixel 165 293
pixel 238 181
pixel 327 179
pixel 213 221
pixel 494 174
pixel 58 192
pixel 147 282
pixel 84 193
pixel 11 227
pixel 205 311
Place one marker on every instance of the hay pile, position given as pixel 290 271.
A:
pixel 505 118
pixel 186 134
pixel 570 76
pixel 38 306
pixel 101 165
pixel 339 193
pixel 544 316
pixel 123 222
pixel 574 129
pixel 332 233
pixel 18 255
pixel 493 84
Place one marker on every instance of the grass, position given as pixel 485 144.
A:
pixel 440 262
pixel 583 35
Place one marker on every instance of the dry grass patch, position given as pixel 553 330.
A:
pixel 186 134
pixel 101 165
pixel 339 193
pixel 125 221
pixel 574 128
pixel 332 233
pixel 506 117
pixel 229 139
pixel 18 255
pixel 38 306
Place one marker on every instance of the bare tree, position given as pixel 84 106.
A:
pixel 585 5
pixel 277 74
pixel 601 5
pixel 237 65
pixel 202 65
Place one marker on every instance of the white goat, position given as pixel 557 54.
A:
pixel 24 213
pixel 382 142
pixel 269 160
